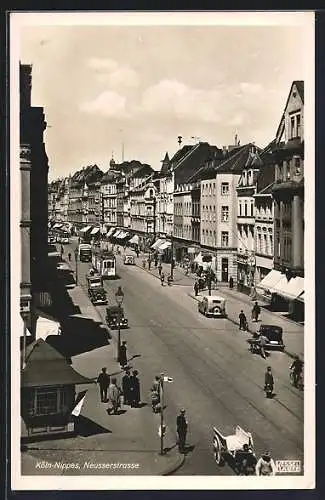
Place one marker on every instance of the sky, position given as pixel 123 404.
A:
pixel 108 89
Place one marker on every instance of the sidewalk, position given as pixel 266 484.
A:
pixel 123 444
pixel 293 333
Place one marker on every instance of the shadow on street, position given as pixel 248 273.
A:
pixel 85 427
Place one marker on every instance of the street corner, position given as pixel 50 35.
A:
pixel 169 463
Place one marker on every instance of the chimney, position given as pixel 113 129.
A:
pixel 179 140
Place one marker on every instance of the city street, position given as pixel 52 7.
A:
pixel 215 378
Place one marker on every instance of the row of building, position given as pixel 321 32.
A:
pixel 241 204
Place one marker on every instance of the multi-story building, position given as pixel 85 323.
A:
pixel 34 204
pixel 185 165
pixel 246 189
pixel 288 193
pixel 109 197
pixel 143 199
pixel 165 205
pixel 264 211
pixel 85 197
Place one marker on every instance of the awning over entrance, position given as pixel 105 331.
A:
pixel 290 289
pixel 111 231
pixel 85 229
pixel 57 226
pixel 117 234
pixel 45 327
pixel 95 230
pixel 157 243
pixel 270 280
pixel 302 297
pixel 134 239
pixel 165 245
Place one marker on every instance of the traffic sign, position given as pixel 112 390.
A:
pixel 168 379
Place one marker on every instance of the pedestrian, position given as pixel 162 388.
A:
pixel 135 389
pixel 268 379
pixel 103 380
pixel 162 279
pixel 126 387
pixel 114 396
pixel 62 250
pixel 231 282
pixel 123 355
pixel 262 341
pixel 144 264
pixel 181 426
pixel 265 465
pixel 242 321
pixel 137 252
pixel 69 256
pixel 169 280
pixel 149 264
pixel 160 269
pixel 156 261
pixel 256 311
pixel 196 288
pixel 296 367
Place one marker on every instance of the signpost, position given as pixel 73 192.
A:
pixel 119 297
pixel 162 428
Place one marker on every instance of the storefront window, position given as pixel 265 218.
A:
pixel 46 401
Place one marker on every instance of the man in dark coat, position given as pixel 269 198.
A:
pixel 103 380
pixel 134 389
pixel 123 356
pixel 181 426
pixel 126 386
pixel 242 321
pixel 256 311
pixel 196 288
pixel 269 380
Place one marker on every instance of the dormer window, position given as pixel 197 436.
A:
pixel 295 126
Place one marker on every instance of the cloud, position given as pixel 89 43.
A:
pixel 112 73
pixel 250 88
pixel 176 99
pixel 238 119
pixel 107 103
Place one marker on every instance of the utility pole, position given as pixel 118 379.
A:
pixel 162 425
pixel 76 260
pixel 172 257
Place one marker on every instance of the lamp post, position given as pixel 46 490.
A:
pixel 162 414
pixel 76 260
pixel 172 257
pixel 119 297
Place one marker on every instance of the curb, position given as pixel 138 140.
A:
pixel 173 468
pixel 288 353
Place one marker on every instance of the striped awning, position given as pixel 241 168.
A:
pixel 157 243
pixel 94 230
pixel 57 226
pixel 85 229
pixel 117 234
pixel 134 239
pixel 111 231
pixel 164 245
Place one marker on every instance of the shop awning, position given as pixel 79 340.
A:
pixel 134 239
pixel 157 243
pixel 45 327
pixel 122 235
pixel 270 280
pixel 85 229
pixel 117 234
pixel 94 230
pixel 165 245
pixel 289 289
pixel 57 226
pixel 198 258
pixel 302 297
pixel 111 231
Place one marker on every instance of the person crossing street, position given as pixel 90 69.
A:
pixel 181 427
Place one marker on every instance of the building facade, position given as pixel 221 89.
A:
pixel 288 193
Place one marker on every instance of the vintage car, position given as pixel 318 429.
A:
pixel 129 260
pixel 273 334
pixel 94 281
pixel 212 306
pixel 115 317
pixel 98 296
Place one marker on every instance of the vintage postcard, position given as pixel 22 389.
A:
pixel 162 250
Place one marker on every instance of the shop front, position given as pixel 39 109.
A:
pixel 48 392
pixel 245 273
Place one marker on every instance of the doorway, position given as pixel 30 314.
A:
pixel 224 270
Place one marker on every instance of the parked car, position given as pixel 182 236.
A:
pixel 129 260
pixel 98 296
pixel 94 281
pixel 273 334
pixel 213 306
pixel 115 317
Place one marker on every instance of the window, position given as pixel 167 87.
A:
pixel 240 208
pixel 271 244
pixel 246 211
pixel 259 242
pixel 224 188
pixel 224 214
pixel 252 209
pixel 298 126
pixel 292 127
pixel 224 238
pixel 297 165
pixel 46 401
pixel 295 126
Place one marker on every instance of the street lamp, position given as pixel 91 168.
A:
pixel 119 297
pixel 76 260
pixel 162 426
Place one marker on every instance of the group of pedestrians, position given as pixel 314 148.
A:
pixel 112 393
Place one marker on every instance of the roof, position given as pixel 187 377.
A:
pixel 110 176
pixel 45 366
pixel 193 161
pixel 241 158
pixel 180 154
pixel 300 87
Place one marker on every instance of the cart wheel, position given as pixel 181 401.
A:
pixel 218 456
